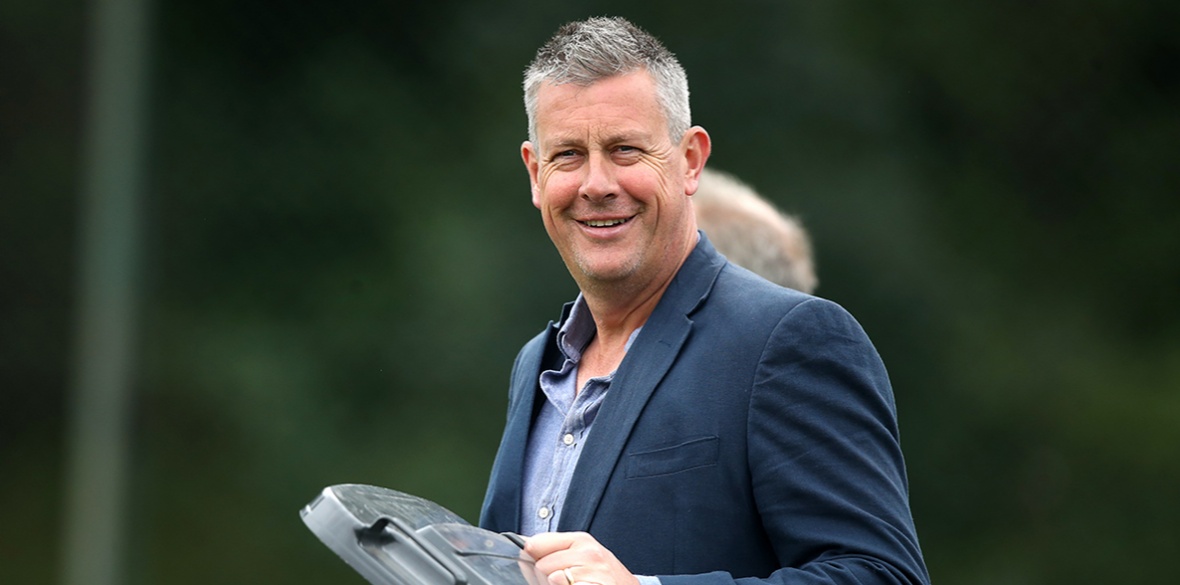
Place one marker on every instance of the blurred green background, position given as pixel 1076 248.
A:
pixel 337 260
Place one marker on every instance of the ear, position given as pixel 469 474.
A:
pixel 528 153
pixel 696 146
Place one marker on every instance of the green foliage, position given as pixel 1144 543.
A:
pixel 342 260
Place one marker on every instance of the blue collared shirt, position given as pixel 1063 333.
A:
pixel 560 431
pixel 562 425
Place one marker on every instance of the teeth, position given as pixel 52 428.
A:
pixel 604 222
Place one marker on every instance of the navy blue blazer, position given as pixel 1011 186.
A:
pixel 750 432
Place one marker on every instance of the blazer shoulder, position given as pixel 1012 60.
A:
pixel 738 286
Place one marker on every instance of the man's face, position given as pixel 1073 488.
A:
pixel 612 187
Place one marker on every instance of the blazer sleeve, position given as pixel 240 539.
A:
pixel 826 466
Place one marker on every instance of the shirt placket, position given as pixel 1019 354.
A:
pixel 567 451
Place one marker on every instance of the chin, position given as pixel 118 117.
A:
pixel 604 266
pixel 605 273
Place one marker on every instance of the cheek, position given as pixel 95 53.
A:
pixel 654 172
pixel 555 190
pixel 644 185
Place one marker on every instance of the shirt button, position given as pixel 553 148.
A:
pixel 568 439
pixel 543 513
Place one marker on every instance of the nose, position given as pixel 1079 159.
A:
pixel 598 182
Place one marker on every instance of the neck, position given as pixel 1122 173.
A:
pixel 617 319
pixel 615 324
pixel 621 308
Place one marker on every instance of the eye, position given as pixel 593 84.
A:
pixel 565 155
pixel 567 159
pixel 626 153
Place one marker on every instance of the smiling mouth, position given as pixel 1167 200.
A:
pixel 598 223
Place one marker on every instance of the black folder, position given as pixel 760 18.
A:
pixel 394 538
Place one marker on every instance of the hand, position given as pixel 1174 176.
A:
pixel 575 558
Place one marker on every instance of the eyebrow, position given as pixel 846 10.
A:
pixel 565 142
pixel 632 137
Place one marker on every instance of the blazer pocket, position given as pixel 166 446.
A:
pixel 691 454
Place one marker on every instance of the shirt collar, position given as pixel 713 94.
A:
pixel 579 328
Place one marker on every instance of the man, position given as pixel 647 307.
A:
pixel 751 233
pixel 685 420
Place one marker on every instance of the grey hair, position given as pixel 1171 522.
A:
pixel 587 51
pixel 752 233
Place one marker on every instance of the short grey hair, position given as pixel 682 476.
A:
pixel 752 233
pixel 590 50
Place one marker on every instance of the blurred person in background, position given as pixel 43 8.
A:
pixel 685 421
pixel 752 233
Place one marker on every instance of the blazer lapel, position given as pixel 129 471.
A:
pixel 501 509
pixel 647 362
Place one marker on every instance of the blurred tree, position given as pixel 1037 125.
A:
pixel 343 259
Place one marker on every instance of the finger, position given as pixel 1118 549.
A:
pixel 562 576
pixel 556 561
pixel 545 544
